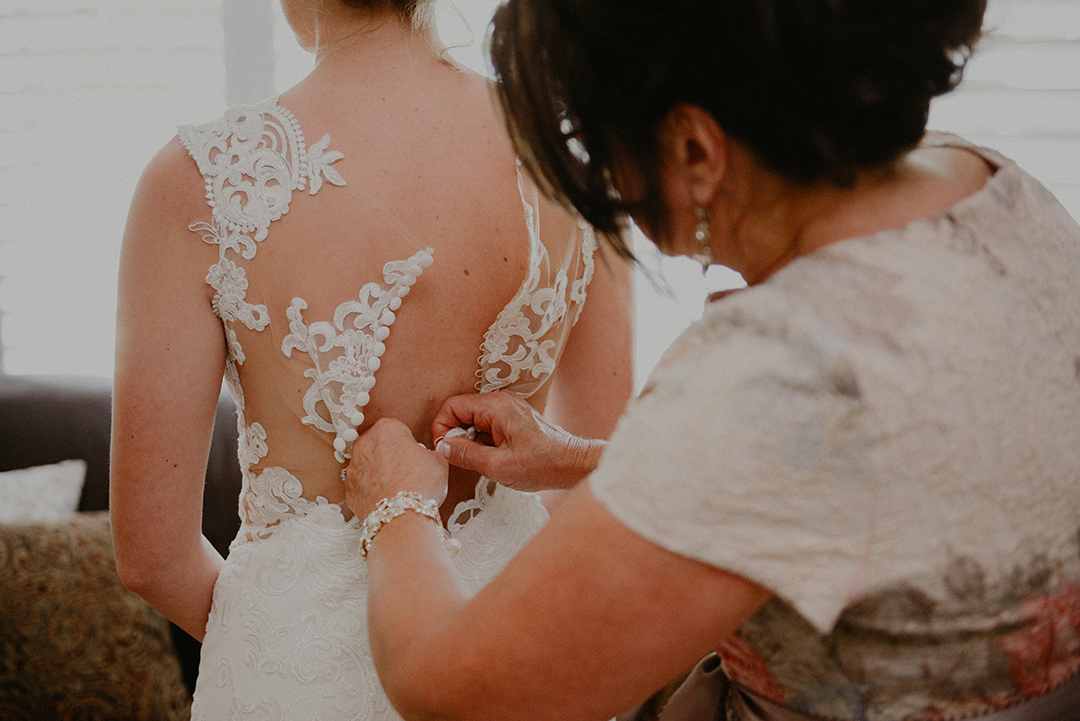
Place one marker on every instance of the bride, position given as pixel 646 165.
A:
pixel 344 252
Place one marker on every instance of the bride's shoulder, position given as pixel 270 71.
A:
pixel 169 197
pixel 470 97
pixel 172 184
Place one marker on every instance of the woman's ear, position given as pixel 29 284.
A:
pixel 695 150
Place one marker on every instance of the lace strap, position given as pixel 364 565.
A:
pixel 521 347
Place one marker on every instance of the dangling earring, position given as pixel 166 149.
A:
pixel 701 233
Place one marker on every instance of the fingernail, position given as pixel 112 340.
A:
pixel 443 448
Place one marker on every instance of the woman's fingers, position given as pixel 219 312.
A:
pixel 489 413
pixel 515 446
pixel 456 412
pixel 470 455
pixel 387 459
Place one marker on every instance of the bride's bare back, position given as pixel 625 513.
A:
pixel 424 166
pixel 258 246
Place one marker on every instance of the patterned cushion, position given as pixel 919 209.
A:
pixel 74 643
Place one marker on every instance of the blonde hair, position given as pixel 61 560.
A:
pixel 414 12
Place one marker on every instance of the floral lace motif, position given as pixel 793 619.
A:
pixel 520 349
pixel 352 373
pixel 287 635
pixel 251 161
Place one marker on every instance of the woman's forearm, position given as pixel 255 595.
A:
pixel 585 594
pixel 180 586
pixel 406 609
pixel 550 637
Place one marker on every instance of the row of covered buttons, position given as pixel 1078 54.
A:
pixel 346 432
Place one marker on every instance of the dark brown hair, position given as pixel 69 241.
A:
pixel 816 89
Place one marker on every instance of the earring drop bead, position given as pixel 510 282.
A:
pixel 704 256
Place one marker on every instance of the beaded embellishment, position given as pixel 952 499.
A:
pixel 390 508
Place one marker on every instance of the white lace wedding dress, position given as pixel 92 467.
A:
pixel 287 634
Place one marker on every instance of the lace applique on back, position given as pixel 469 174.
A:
pixel 342 388
pixel 252 160
pixel 521 347
pixel 287 635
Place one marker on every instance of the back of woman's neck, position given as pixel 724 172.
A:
pixel 797 221
pixel 372 40
pixel 924 183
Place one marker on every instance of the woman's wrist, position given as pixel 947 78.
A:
pixel 397 505
pixel 581 458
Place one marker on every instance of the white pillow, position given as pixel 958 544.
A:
pixel 41 493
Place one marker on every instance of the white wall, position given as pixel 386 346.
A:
pixel 90 89
pixel 1021 92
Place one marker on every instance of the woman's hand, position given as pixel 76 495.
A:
pixel 387 459
pixel 515 446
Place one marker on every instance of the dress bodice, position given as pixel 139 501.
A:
pixel 255 162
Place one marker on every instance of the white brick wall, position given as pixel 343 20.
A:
pixel 1021 92
pixel 90 89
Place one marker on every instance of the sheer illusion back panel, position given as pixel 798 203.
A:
pixel 326 246
pixel 364 246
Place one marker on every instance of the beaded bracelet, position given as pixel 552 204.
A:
pixel 390 508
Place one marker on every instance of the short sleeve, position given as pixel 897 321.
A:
pixel 748 450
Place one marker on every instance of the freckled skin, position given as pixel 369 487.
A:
pixel 428 176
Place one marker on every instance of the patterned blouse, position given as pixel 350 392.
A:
pixel 886 434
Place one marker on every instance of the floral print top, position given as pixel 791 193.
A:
pixel 886 434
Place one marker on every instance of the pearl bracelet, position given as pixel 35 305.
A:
pixel 390 508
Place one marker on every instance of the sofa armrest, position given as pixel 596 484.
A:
pixel 48 419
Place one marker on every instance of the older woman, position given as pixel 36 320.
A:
pixel 857 478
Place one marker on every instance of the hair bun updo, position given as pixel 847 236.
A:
pixel 877 72
pixel 408 10
pixel 817 89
